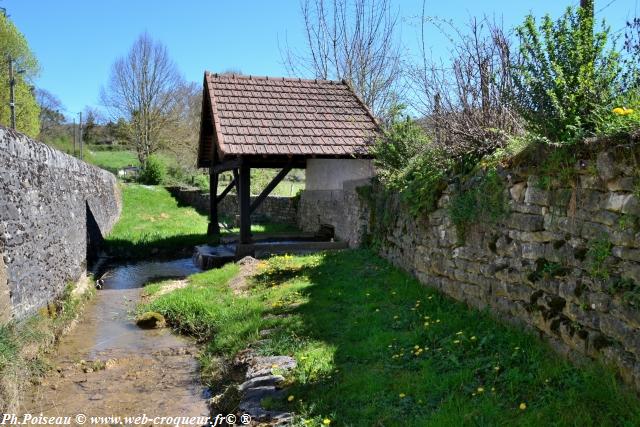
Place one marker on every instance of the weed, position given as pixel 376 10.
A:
pixel 560 165
pixel 484 201
pixel 598 252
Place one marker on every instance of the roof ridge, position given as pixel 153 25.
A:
pixel 286 79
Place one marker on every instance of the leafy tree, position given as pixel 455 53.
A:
pixel 567 74
pixel 14 45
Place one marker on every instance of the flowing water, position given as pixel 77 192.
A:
pixel 107 366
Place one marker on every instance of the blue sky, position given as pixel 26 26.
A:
pixel 77 41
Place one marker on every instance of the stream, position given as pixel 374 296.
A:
pixel 107 366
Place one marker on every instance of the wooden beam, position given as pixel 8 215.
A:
pixel 269 188
pixel 236 178
pixel 226 190
pixel 227 165
pixel 214 226
pixel 245 201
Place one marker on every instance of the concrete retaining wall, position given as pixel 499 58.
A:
pixel 54 209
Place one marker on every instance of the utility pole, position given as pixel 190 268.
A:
pixel 12 101
pixel 75 131
pixel 80 134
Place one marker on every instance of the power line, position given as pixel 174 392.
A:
pixel 608 4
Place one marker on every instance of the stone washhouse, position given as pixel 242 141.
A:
pixel 284 123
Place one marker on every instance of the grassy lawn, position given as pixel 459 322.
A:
pixel 375 347
pixel 154 224
pixel 114 160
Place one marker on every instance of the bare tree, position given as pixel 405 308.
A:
pixel 143 89
pixel 465 102
pixel 355 41
pixel 51 117
pixel 184 131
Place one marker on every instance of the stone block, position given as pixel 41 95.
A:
pixel 517 191
pixel 606 166
pixel 616 201
pixel 535 196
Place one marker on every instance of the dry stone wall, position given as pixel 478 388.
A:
pixel 54 209
pixel 564 261
pixel 280 209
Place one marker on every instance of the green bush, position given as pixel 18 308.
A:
pixel 410 164
pixel 567 75
pixel 154 172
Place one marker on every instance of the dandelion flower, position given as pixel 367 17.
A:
pixel 480 389
pixel 618 111
pixel 395 317
pixel 437 320
pixel 290 398
pixel 416 347
pixel 473 338
pixel 496 368
pixel 326 421
pixel 402 395
pixel 523 406
pixel 459 333
pixel 274 366
pixel 493 389
pixel 456 341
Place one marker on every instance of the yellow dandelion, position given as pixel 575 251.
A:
pixel 493 389
pixel 480 389
pixel 274 366
pixel 402 395
pixel 496 368
pixel 456 341
pixel 416 347
pixel 326 421
pixel 430 297
pixel 459 333
pixel 473 338
pixel 395 317
pixel 523 406
pixel 437 320
pixel 290 398
pixel 618 111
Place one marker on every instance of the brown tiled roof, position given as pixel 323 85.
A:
pixel 280 116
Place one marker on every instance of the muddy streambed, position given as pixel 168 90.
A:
pixel 107 366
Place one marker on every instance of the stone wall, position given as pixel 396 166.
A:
pixel 564 262
pixel 51 206
pixel 279 209
pixel 340 208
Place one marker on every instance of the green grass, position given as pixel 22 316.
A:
pixel 114 160
pixel 154 224
pixel 375 347
pixel 25 345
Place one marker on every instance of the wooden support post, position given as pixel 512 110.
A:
pixel 269 188
pixel 214 226
pixel 245 204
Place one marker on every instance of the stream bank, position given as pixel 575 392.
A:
pixel 107 366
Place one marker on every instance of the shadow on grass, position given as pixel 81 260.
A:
pixel 375 347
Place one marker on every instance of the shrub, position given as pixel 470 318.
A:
pixel 408 163
pixel 567 75
pixel 154 172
